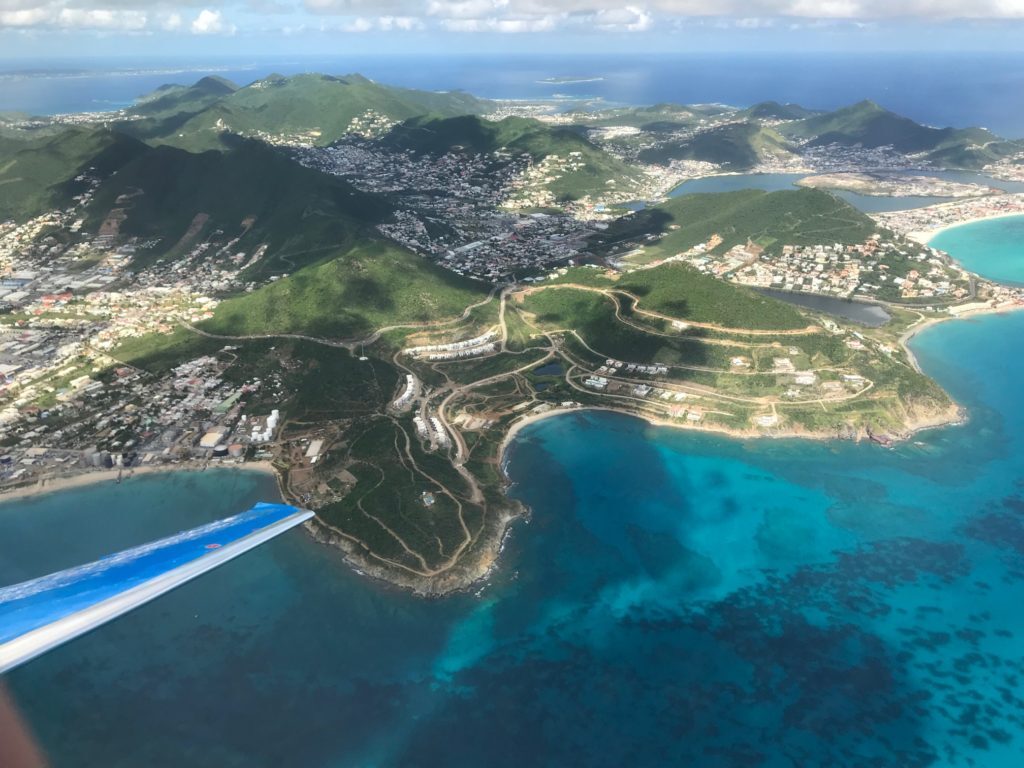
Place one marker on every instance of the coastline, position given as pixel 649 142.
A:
pixel 924 236
pixel 82 479
pixel 476 571
pixel 920 327
pixel 952 416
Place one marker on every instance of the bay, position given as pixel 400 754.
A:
pixel 676 598
pixel 993 248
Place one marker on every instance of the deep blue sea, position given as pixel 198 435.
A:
pixel 940 89
pixel 676 599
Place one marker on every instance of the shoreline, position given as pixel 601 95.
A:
pixel 490 555
pixel 60 483
pixel 954 416
pixel 924 236
pixel 909 334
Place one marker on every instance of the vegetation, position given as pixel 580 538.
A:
pixel 773 110
pixel 385 509
pixel 655 118
pixel 680 291
pixel 770 219
pixel 160 352
pixel 319 107
pixel 424 507
pixel 592 317
pixel 169 100
pixel 252 190
pixel 869 125
pixel 737 146
pixel 37 171
pixel 371 285
pixel 516 135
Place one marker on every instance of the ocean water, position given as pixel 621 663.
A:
pixel 942 89
pixel 676 598
pixel 993 248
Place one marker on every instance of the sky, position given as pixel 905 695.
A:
pixel 57 29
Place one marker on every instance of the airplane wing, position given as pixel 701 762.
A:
pixel 38 615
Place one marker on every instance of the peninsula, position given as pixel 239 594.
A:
pixel 372 298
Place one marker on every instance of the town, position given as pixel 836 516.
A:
pixel 71 294
pixel 866 270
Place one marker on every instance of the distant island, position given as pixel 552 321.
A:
pixel 570 80
pixel 372 289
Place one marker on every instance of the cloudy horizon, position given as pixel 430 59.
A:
pixel 38 28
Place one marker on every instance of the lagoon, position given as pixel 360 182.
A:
pixel 864 313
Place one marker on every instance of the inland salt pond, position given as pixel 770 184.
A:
pixel 871 315
pixel 549 369
pixel 675 599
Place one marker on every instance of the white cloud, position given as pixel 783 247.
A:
pixel 846 9
pixel 481 10
pixel 404 23
pixel 365 8
pixel 57 14
pixel 359 24
pixel 207 17
pixel 101 18
pixel 24 17
pixel 382 24
pixel 465 9
pixel 211 23
pixel 754 22
pixel 631 18
pixel 504 26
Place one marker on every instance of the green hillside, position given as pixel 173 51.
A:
pixel 353 293
pixel 162 114
pixel 468 133
pixel 173 99
pixel 37 172
pixel 869 125
pixel 738 146
pixel 474 135
pixel 773 110
pixel 772 219
pixel 320 107
pixel 289 207
pixel 7 117
pixel 655 118
pixel 681 291
pixel 974 155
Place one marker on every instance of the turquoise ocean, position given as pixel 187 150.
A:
pixel 675 599
pixel 992 248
